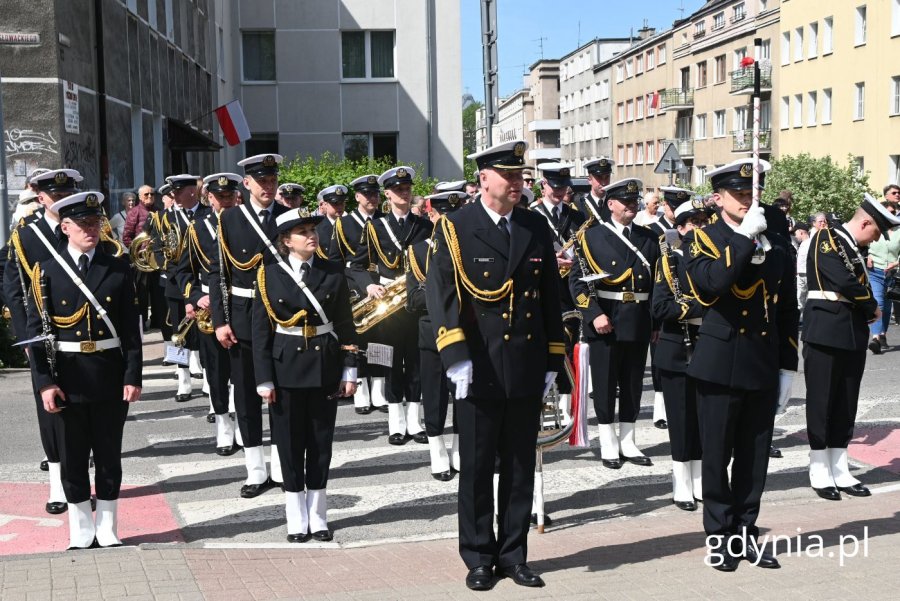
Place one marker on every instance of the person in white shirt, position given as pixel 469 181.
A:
pixel 650 214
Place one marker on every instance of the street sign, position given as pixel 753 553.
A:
pixel 670 162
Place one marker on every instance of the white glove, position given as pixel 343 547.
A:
pixel 785 384
pixel 549 379
pixel 460 373
pixel 754 222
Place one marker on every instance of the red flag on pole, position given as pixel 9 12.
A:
pixel 580 396
pixel 233 123
pixel 654 100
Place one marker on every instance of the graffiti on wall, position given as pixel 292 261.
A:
pixel 81 154
pixel 25 142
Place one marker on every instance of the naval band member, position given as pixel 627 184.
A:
pixel 594 202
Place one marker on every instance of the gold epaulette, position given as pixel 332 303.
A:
pixel 417 271
pixel 261 290
pixel 489 296
pixel 251 264
pixel 321 253
pixel 374 238
pixel 703 244
pixel 342 239
pixel 16 243
pixel 195 243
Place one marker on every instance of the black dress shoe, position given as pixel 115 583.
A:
pixel 762 559
pixel 323 536
pixel 829 493
pixel 775 453
pixel 298 538
pixel 383 409
pixel 443 476
pixel 45 465
pixel 397 439
pixel 729 563
pixel 228 451
pixel 857 490
pixel 521 574
pixel 637 460
pixel 420 438
pixel 613 464
pixel 882 340
pixel 547 520
pixel 248 491
pixel 875 346
pixel 56 507
pixel 686 505
pixel 180 398
pixel 480 578
pixel 210 418
pixel 364 410
pixel 661 424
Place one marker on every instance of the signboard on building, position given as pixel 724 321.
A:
pixel 70 108
pixel 19 38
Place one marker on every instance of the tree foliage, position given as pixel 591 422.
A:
pixel 817 184
pixel 470 126
pixel 317 173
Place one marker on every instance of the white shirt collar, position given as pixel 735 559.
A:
pixel 330 220
pixel 296 263
pixel 76 254
pixel 495 216
pixel 257 208
pixel 50 220
pixel 849 233
pixel 363 214
pixel 399 216
pixel 550 206
pixel 619 227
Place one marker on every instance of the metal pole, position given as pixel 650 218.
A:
pixel 757 43
pixel 4 194
pixel 489 53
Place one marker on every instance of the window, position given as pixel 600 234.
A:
pixel 639 101
pixel 629 154
pixel 261 144
pixel 629 110
pixel 620 154
pixel 798 44
pixel 258 55
pixel 785 112
pixel 740 11
pixel 620 70
pixel 826 106
pixel 895 95
pixel 763 5
pixel 651 152
pixel 651 58
pixel 718 124
pixel 699 175
pixel 629 68
pixel 765 114
pixel 894 168
pixel 859 37
pixel 639 64
pixel 639 153
pixel 620 113
pixel 740 118
pixel 812 40
pixel 718 21
pixel 785 47
pixel 860 111
pixel 661 54
pixel 604 89
pixel 700 29
pixel 860 165
pixel 798 110
pixel 652 102
pixel 737 57
pixel 720 69
pixel 701 74
pixel 700 126
pixel 367 54
pixel 765 51
pixel 376 146
pixel 828 36
pixel 604 127
pixel 811 107
pixel 895 21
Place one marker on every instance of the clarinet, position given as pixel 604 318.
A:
pixel 22 282
pixel 223 285
pixel 666 251
pixel 46 328
pixel 582 265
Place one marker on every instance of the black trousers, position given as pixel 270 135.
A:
pixel 490 429
pixel 159 308
pixel 435 392
pixel 303 428
pixel 142 293
pixel 832 394
pixel 86 427
pixel 47 424
pixel 680 396
pixel 402 333
pixel 734 424
pixel 215 360
pixel 247 403
pixel 617 366
pixel 176 314
pixel 654 371
pixel 570 337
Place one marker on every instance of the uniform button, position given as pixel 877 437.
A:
pixel 764 333
pixel 299 349
pixel 506 316
pixel 624 288
pixel 528 337
pixel 528 315
pixel 527 294
pixel 280 300
pixel 742 330
pixel 108 299
pixel 487 274
pixel 78 333
pixel 640 277
pixel 98 316
pixel 318 348
pixel 744 312
pixel 506 337
pixel 537 272
pixel 100 332
pixel 243 250
pixel 63 302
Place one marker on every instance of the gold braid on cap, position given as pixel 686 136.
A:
pixel 251 264
pixel 374 238
pixel 261 287
pixel 61 322
pixel 488 296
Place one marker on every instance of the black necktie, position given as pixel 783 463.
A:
pixel 400 222
pixel 58 231
pixel 304 270
pixel 554 216
pixel 190 215
pixel 501 225
pixel 627 233
pixel 264 217
pixel 83 265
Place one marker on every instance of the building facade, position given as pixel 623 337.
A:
pixel 542 130
pixel 351 77
pixel 841 83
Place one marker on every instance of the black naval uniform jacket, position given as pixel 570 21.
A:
pixel 97 376
pixel 290 361
pixel 243 251
pixel 604 251
pixel 513 334
pixel 659 227
pixel 669 314
pixel 25 249
pixel 325 229
pixel 177 219
pixel 349 246
pixel 382 254
pixel 842 322
pixel 569 221
pixel 192 273
pixel 747 334
pixel 590 206
pixel 418 257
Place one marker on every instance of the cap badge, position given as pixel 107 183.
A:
pixel 372 180
pixel 453 199
pixel 303 213
pixel 697 203
pixel 632 186
pixel 60 178
pixel 564 172
pixel 519 149
pixel 604 163
pixel 223 181
pixel 401 172
pixel 91 201
pixel 339 191
pixel 746 170
pixel 269 161
pixel 681 196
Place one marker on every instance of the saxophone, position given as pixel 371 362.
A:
pixel 369 312
pixel 666 252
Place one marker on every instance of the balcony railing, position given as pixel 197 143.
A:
pixel 738 17
pixel 742 79
pixel 742 140
pixel 699 34
pixel 684 146
pixel 676 99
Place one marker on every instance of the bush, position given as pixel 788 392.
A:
pixel 10 356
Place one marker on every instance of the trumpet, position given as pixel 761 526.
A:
pixel 369 312
pixel 202 318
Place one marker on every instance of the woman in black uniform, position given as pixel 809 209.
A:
pixel 305 359
pixel 680 315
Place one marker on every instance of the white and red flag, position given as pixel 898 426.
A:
pixel 233 123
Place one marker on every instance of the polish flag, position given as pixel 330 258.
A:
pixel 654 100
pixel 233 123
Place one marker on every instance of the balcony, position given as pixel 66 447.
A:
pixel 742 79
pixel 742 140
pixel 676 99
pixel 544 125
pixel 738 17
pixel 545 154
pixel 684 146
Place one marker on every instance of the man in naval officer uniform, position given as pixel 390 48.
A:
pixel 839 308
pixel 744 359
pixel 594 202
pixel 493 296
pixel 332 207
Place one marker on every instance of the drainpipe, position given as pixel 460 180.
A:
pixel 101 99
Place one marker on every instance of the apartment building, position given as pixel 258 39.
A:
pixel 840 90
pixel 542 130
pixel 585 108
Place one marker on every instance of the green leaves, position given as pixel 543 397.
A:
pixel 817 184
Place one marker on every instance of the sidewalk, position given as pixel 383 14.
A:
pixel 656 555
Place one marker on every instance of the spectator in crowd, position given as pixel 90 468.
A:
pixel 891 193
pixel 819 221
pixel 785 203
pixel 117 221
pixel 472 189
pixel 882 262
pixel 650 214
pixel 28 203
pixel 137 215
pixel 801 236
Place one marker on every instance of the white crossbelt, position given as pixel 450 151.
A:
pixel 88 346
pixel 245 292
pixel 204 288
pixel 828 295
pixel 308 331
pixel 625 297
pixel 694 321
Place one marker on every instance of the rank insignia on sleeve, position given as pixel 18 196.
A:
pixel 825 246
pixel 695 249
